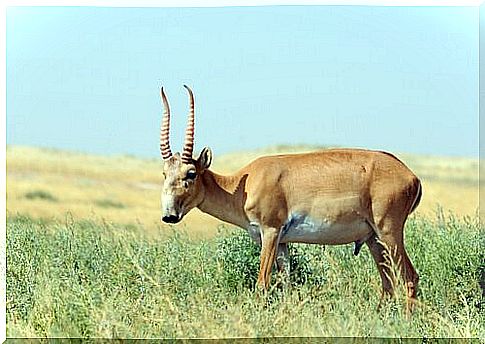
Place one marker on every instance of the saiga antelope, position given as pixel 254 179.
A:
pixel 330 197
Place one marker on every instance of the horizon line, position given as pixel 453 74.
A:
pixel 262 149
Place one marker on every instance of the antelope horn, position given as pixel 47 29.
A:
pixel 165 129
pixel 189 132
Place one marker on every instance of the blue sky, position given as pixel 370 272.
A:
pixel 402 79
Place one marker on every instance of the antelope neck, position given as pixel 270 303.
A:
pixel 224 198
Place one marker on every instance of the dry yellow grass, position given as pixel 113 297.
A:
pixel 125 189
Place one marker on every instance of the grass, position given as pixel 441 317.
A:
pixel 80 181
pixel 93 278
pixel 97 279
pixel 107 203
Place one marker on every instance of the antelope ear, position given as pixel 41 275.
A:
pixel 205 158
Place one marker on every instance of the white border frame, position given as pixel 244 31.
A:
pixel 151 3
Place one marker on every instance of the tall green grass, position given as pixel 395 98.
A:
pixel 81 279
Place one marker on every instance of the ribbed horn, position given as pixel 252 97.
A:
pixel 165 129
pixel 189 132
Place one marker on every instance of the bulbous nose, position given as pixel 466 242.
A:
pixel 170 218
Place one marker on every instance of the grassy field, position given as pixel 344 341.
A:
pixel 85 279
pixel 87 256
pixel 47 183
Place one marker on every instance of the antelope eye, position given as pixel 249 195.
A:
pixel 191 175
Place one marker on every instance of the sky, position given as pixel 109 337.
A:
pixel 400 79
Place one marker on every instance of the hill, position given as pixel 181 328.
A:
pixel 50 183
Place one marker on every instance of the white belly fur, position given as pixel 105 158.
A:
pixel 303 229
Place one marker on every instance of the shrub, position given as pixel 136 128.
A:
pixel 40 194
pixel 238 257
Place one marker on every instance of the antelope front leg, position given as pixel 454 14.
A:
pixel 269 246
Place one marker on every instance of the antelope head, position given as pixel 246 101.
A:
pixel 182 187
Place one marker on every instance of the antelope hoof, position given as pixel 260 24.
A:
pixel 358 246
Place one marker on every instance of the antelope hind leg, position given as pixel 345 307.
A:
pixel 283 263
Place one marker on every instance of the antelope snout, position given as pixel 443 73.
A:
pixel 170 218
pixel 169 210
